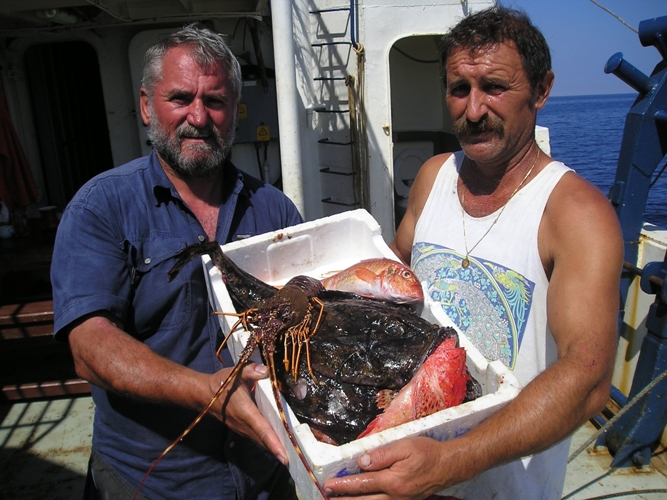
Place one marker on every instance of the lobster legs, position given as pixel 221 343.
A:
pixel 288 314
pixel 297 336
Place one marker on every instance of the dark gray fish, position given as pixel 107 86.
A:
pixel 362 346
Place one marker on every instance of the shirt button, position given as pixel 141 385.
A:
pixel 231 444
pixel 201 237
pixel 147 261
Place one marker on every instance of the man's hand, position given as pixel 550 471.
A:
pixel 236 408
pixel 411 469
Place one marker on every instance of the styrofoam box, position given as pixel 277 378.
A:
pixel 317 249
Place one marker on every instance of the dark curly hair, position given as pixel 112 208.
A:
pixel 498 25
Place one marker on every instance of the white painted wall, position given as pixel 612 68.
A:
pixel 379 24
pixel 380 27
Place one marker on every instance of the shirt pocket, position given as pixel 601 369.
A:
pixel 161 305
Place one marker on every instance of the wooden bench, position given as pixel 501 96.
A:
pixel 32 364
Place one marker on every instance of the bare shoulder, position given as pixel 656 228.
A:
pixel 578 217
pixel 423 183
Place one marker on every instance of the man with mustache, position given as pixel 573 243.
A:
pixel 526 257
pixel 147 345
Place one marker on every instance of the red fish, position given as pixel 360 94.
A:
pixel 384 279
pixel 440 383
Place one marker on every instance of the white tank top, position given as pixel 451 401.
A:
pixel 498 302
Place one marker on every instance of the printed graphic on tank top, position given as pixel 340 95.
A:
pixel 487 301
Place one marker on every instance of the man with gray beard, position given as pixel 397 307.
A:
pixel 147 345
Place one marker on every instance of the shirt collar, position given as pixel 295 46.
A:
pixel 164 191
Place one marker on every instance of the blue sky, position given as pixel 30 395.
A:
pixel 582 37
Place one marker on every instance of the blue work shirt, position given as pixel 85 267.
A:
pixel 116 241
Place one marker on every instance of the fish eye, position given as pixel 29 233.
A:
pixel 407 275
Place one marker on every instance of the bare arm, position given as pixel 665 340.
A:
pixel 581 247
pixel 108 357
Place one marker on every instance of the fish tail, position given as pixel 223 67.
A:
pixel 190 252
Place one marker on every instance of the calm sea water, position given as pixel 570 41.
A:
pixel 586 132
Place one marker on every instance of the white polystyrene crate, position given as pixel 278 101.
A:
pixel 316 249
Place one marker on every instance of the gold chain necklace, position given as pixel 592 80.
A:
pixel 465 263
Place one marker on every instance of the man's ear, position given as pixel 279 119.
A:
pixel 544 89
pixel 143 106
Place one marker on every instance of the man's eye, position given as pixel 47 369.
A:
pixel 459 90
pixel 216 102
pixel 180 100
pixel 496 89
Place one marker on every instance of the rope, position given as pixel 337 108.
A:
pixel 615 15
pixel 623 410
pixel 629 493
pixel 356 104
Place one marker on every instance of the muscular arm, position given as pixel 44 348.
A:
pixel 108 357
pixel 581 246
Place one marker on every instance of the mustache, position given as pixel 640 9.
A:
pixel 463 126
pixel 187 130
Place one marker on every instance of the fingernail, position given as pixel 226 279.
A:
pixel 283 459
pixel 261 369
pixel 365 460
pixel 328 491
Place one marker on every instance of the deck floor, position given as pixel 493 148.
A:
pixel 44 448
pixel 589 477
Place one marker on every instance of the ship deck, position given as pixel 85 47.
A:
pixel 45 446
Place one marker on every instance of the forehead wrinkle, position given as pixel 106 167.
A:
pixel 485 66
pixel 189 87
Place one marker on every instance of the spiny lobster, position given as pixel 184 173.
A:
pixel 287 317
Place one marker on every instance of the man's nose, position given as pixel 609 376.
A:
pixel 476 107
pixel 197 115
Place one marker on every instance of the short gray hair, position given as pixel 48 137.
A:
pixel 206 49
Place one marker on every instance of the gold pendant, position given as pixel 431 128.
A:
pixel 465 263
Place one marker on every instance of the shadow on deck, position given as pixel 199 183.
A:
pixel 44 448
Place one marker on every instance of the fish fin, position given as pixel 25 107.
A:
pixel 372 428
pixel 427 401
pixel 384 398
pixel 323 437
pixel 365 275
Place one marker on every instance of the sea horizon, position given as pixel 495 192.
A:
pixel 617 94
pixel 585 133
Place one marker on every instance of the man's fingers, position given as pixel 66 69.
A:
pixel 382 458
pixel 261 430
pixel 254 371
pixel 360 484
pixel 267 436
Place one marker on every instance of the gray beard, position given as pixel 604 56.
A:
pixel 200 160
